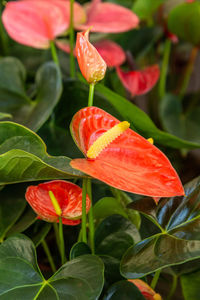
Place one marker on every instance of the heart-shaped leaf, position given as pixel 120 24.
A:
pixel 179 240
pixel 23 157
pixel 20 277
pixel 184 125
pixel 183 21
pixel 79 249
pixel 14 100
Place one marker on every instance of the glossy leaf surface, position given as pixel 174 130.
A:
pixel 186 16
pixel 149 172
pixel 123 290
pixel 14 100
pixel 23 157
pixel 109 18
pixel 185 125
pixel 191 285
pixel 179 240
pixel 81 278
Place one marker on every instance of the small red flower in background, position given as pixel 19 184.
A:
pixel 68 196
pixel 112 53
pixel 146 290
pixel 129 162
pixel 37 22
pixel 139 82
pixel 108 17
pixel 91 64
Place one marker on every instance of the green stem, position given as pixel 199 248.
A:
pixel 49 256
pixel 54 53
pixel 55 226
pixel 164 69
pixel 84 228
pixel 173 287
pixel 155 279
pixel 71 39
pixel 91 217
pixel 3 35
pixel 62 244
pixel 188 72
pixel 91 94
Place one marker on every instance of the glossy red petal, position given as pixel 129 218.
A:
pixel 139 82
pixel 68 195
pixel 111 52
pixel 129 163
pixel 109 18
pixel 91 64
pixel 36 22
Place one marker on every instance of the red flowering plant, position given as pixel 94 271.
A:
pixel 91 202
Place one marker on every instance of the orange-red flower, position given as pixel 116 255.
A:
pixel 129 162
pixel 68 196
pixel 111 52
pixel 146 290
pixel 108 17
pixel 37 22
pixel 139 82
pixel 91 64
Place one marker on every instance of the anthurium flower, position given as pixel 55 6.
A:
pixel 108 17
pixel 37 22
pixel 139 82
pixel 111 52
pixel 67 195
pixel 146 290
pixel 120 157
pixel 91 64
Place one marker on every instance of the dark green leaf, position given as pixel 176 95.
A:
pixel 23 157
pixel 114 236
pixel 14 100
pixel 179 240
pixel 184 125
pixel 12 205
pixel 79 249
pixel 184 22
pixel 123 290
pixel 20 277
pixel 41 232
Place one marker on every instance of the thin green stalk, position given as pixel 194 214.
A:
pixel 3 35
pixel 188 72
pixel 84 228
pixel 91 217
pixel 54 53
pixel 62 244
pixel 173 287
pixel 91 94
pixel 55 226
pixel 71 39
pixel 155 279
pixel 164 69
pixel 49 256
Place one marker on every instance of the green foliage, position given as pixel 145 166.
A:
pixel 81 278
pixel 179 239
pixel 14 100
